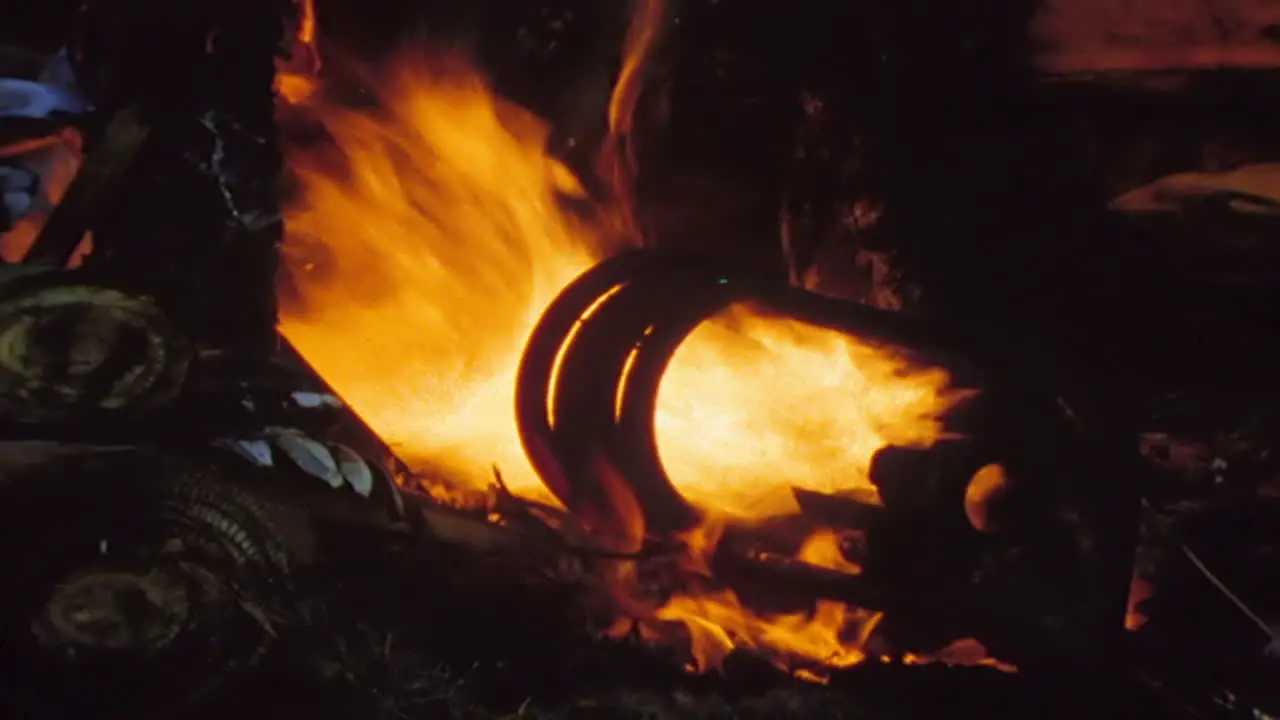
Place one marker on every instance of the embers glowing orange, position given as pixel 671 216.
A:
pixel 1139 591
pixel 297 75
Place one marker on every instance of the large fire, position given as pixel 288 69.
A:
pixel 423 257
pixel 426 240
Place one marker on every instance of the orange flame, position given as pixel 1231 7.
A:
pixel 56 160
pixel 823 549
pixel 421 253
pixel 618 164
pixel 753 406
pixel 422 257
pixel 296 75
pixel 1139 591
pixel 832 636
pixel 307 22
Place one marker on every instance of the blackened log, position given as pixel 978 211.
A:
pixel 197 221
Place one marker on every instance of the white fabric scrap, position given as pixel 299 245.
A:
pixel 354 469
pixel 310 456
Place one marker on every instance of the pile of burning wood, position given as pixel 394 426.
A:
pixel 403 316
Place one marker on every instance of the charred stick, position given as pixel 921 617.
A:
pixel 837 511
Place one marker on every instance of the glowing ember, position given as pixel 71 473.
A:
pixel 1139 591
pixel 984 490
pixel 424 245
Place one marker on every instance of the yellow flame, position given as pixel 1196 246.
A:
pixel 427 240
pixel 422 256
pixel 753 406
pixel 618 156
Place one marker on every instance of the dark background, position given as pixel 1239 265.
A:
pixel 994 177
